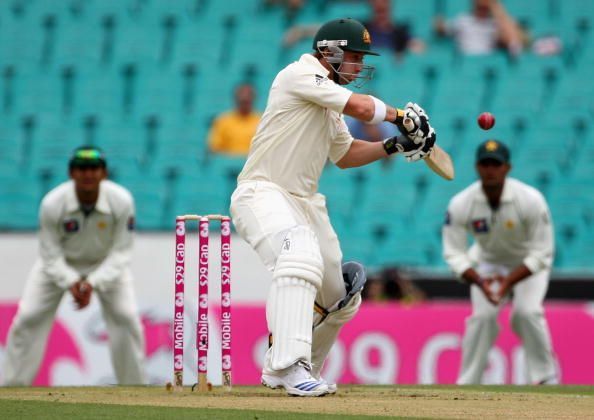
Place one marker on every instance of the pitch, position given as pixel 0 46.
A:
pixel 486 402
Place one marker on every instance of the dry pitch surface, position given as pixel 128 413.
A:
pixel 389 401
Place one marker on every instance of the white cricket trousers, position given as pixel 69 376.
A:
pixel 263 213
pixel 32 323
pixel 527 321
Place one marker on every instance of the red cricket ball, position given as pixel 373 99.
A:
pixel 486 120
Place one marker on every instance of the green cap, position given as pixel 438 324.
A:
pixel 493 149
pixel 86 156
pixel 348 34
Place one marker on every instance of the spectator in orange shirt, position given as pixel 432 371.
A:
pixel 232 132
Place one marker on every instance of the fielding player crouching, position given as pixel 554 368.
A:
pixel 85 237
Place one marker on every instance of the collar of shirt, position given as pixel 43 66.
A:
pixel 506 195
pixel 72 204
pixel 310 61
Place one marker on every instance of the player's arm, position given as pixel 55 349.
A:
pixel 361 153
pixel 363 107
pixel 418 135
pixel 54 264
pixel 541 245
pixel 455 249
pixel 120 254
pixel 510 33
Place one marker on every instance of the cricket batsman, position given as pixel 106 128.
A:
pixel 277 209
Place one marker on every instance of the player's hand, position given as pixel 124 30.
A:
pixel 505 287
pixel 417 128
pixel 415 123
pixel 402 144
pixel 81 291
pixel 422 152
pixel 485 284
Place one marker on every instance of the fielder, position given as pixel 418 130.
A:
pixel 86 227
pixel 276 207
pixel 512 255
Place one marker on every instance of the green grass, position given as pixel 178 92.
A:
pixel 11 409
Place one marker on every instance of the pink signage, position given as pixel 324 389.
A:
pixel 384 344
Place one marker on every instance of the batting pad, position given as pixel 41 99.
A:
pixel 296 280
pixel 289 308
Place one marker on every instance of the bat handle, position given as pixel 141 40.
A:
pixel 405 122
pixel 409 124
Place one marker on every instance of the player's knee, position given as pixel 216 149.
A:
pixel 346 313
pixel 300 257
pixel 26 319
pixel 484 317
pixel 524 314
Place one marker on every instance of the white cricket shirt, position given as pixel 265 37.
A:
pixel 97 245
pixel 300 129
pixel 518 232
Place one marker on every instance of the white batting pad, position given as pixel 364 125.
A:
pixel 289 308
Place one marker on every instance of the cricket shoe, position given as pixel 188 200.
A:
pixel 331 387
pixel 295 380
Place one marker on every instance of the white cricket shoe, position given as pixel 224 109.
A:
pixel 296 380
pixel 331 387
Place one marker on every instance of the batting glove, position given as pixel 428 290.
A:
pixel 401 144
pixel 414 123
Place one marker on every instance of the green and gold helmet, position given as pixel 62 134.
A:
pixel 340 35
pixel 348 34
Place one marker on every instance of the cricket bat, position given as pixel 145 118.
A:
pixel 438 160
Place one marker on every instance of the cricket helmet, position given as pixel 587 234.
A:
pixel 340 35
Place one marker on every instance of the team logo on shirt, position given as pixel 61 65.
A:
pixel 509 224
pixel 480 226
pixel 101 224
pixel 320 79
pixel 71 225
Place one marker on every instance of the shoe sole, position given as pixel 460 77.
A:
pixel 294 392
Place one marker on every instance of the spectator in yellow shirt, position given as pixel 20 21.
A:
pixel 232 132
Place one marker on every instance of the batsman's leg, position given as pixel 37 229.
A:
pixel 296 280
pixel 328 322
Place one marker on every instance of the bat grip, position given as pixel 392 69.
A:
pixel 404 122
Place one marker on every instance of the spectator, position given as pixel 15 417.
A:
pixel 85 245
pixel 375 289
pixel 384 32
pixel 232 132
pixel 391 284
pixel 388 34
pixel 292 7
pixel 399 286
pixel 513 251
pixel 488 26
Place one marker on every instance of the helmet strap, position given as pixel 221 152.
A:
pixel 335 75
